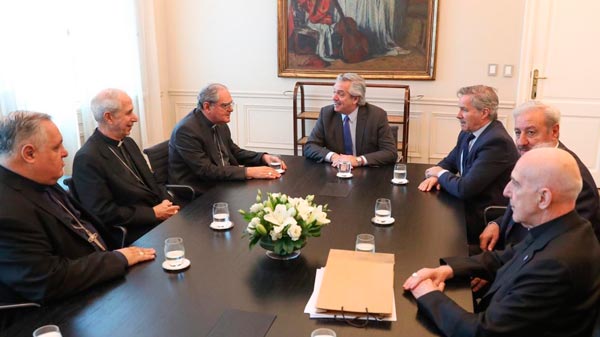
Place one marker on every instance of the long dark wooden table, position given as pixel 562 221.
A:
pixel 225 274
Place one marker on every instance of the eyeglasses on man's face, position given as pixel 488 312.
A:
pixel 225 106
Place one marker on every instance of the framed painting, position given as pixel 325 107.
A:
pixel 379 39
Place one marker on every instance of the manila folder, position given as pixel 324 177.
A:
pixel 357 282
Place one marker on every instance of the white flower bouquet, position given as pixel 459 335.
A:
pixel 283 224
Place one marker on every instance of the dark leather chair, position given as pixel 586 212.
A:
pixel 10 313
pixel 158 155
pixel 120 230
pixel 492 212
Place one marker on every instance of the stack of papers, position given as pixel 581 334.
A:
pixel 356 282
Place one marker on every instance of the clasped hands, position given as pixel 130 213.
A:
pixel 427 280
pixel 337 158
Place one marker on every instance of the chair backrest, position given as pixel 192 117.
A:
pixel 158 155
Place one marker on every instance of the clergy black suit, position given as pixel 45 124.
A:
pixel 108 189
pixel 374 138
pixel 194 157
pixel 42 257
pixel 547 285
pixel 486 171
pixel 587 205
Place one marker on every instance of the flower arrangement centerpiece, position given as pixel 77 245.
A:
pixel 282 224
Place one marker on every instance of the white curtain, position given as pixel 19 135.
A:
pixel 56 55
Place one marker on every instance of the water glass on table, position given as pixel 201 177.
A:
pixel 174 252
pixel 383 210
pixel 344 169
pixel 365 243
pixel 323 332
pixel 275 163
pixel 47 331
pixel 400 172
pixel 220 215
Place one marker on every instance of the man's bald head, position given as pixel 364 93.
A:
pixel 544 185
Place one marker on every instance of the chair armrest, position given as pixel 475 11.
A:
pixel 18 305
pixel 184 192
pixel 124 234
pixel 492 212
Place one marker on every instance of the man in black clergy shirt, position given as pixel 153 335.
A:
pixel 111 177
pixel 50 247
pixel 201 151
pixel 538 125
pixel 546 285
pixel 478 167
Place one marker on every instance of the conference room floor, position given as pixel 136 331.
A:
pixel 225 274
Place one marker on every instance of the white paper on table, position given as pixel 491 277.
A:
pixel 314 312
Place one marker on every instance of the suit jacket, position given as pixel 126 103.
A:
pixel 194 159
pixel 587 205
pixel 374 138
pixel 485 174
pixel 110 191
pixel 547 285
pixel 42 258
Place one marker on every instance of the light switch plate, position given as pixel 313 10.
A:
pixel 492 69
pixel 508 70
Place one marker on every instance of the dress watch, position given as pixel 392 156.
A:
pixel 359 160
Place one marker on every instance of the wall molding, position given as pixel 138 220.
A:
pixel 258 115
pixel 287 95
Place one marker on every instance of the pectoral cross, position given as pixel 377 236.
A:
pixel 93 238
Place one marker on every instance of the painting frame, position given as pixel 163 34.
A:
pixel 418 66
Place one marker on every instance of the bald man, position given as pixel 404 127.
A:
pixel 547 285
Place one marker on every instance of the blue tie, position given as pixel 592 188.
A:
pixel 465 153
pixel 347 136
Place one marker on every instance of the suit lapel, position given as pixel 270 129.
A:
pixel 361 122
pixel 117 167
pixel 43 203
pixel 338 131
pixel 209 140
pixel 145 175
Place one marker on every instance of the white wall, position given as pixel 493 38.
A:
pixel 235 42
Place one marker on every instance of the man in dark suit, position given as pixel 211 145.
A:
pixel 478 167
pixel 351 129
pixel 50 247
pixel 537 125
pixel 548 284
pixel 201 151
pixel 110 175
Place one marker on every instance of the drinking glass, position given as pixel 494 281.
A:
pixel 49 331
pixel 365 243
pixel 345 168
pixel 323 332
pixel 275 163
pixel 400 172
pixel 174 252
pixel 220 214
pixel 383 210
